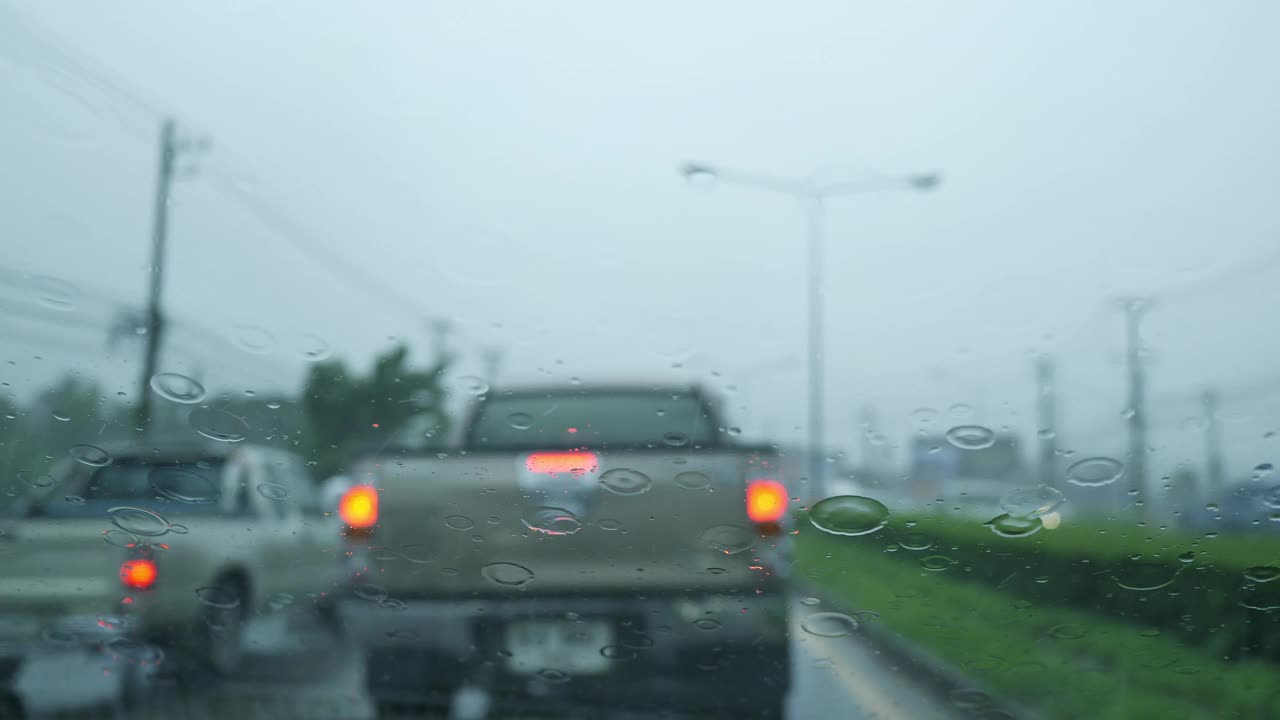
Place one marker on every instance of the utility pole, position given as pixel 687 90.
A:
pixel 439 328
pixel 492 359
pixel 1212 445
pixel 154 320
pixel 1046 412
pixel 1136 411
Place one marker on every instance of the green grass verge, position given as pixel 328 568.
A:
pixel 1062 661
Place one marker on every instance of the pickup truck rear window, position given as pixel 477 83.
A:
pixel 170 489
pixel 630 420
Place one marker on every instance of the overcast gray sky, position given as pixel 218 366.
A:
pixel 512 167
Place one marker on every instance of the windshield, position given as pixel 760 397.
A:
pixel 607 420
pixel 894 359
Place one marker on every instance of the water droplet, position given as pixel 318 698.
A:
pixel 622 481
pixel 177 388
pixel 1263 470
pixel 369 591
pixel 608 524
pixel 222 598
pixel 969 699
pixel 508 574
pixel 1143 576
pixel 552 521
pixel 218 425
pixel 924 415
pixel 1095 471
pixel 693 481
pixel 1262 573
pixel 138 521
pixel 134 651
pixel 473 385
pixel 55 293
pixel 915 541
pixel 183 485
pixel 36 480
pixel 1195 423
pixel 280 601
pixel 936 563
pixel 1068 631
pixel 809 601
pixel 90 455
pixel 971 437
pixel 273 491
pixel 273 404
pixel 829 624
pixel 253 339
pixel 617 652
pixel 393 604
pixel 1271 498
pixel 1013 526
pixel 734 431
pixel 459 522
pixel 1128 414
pixel 960 410
pixel 552 675
pixel 520 421
pixel 74 499
pixel 1046 434
pixel 1187 557
pixel 1033 501
pixel 849 515
pixel 313 347
pixel 729 539
pixel 61 416
pixel 121 538
pixel 675 439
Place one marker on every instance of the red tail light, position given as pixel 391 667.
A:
pixel 359 507
pixel 554 463
pixel 138 574
pixel 766 501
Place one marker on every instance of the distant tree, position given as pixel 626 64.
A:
pixel 394 405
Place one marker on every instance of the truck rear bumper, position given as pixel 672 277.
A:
pixel 677 646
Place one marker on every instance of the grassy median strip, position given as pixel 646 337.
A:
pixel 1065 662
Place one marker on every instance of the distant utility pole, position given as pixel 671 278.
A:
pixel 439 328
pixel 154 321
pixel 1212 445
pixel 1136 411
pixel 1046 411
pixel 492 360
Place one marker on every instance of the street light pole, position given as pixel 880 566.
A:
pixel 812 196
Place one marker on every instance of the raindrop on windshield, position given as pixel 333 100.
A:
pixel 608 524
pixel 61 416
pixel 121 538
pixel 508 574
pixel 729 539
pixel 915 541
pixel 552 675
pixel 90 455
pixel 675 439
pixel 520 421
pixel 473 385
pixel 552 521
pixel 692 481
pixel 1143 576
pixel 1068 631
pixel 971 437
pixel 74 499
pixel 1095 471
pixel 1014 526
pixel 218 597
pixel 138 521
pixel 809 601
pixel 459 522
pixel 55 293
pixel 370 592
pixel 273 491
pixel 849 515
pixel 1271 498
pixel 177 388
pixel 183 485
pixel 134 651
pixel 1262 573
pixel 960 410
pixel 314 348
pixel 623 481
pixel 1032 502
pixel 829 624
pixel 218 425
pixel 36 480
pixel 936 563
pixel 253 339
pixel 1263 470
pixel 924 415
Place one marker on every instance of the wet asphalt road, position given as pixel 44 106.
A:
pixel 295 668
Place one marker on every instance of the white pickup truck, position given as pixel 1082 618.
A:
pixel 133 550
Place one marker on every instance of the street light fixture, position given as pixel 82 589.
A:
pixel 811 194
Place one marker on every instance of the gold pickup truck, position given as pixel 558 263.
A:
pixel 580 539
pixel 136 551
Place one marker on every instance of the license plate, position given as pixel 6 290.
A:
pixel 571 647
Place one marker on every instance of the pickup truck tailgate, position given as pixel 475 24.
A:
pixel 518 523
